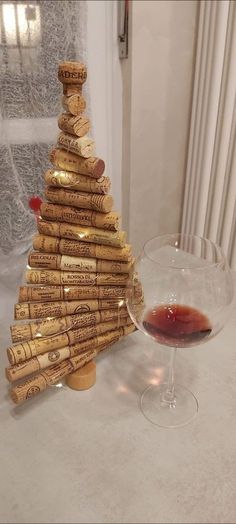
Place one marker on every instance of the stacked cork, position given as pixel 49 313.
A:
pixel 79 267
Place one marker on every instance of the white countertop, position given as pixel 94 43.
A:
pixel 92 457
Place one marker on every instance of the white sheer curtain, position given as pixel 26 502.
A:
pixel 35 36
pixel 210 187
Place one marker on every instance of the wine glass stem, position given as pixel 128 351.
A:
pixel 169 394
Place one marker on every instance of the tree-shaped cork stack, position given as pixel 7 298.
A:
pixel 78 271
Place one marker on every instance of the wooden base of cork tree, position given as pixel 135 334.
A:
pixel 83 378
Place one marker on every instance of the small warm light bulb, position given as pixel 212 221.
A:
pixel 154 381
pixel 122 389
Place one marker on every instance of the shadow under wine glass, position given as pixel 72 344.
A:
pixel 180 294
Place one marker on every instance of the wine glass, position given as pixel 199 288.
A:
pixel 180 293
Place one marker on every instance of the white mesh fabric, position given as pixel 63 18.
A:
pixel 30 102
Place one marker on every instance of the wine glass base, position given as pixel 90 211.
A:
pixel 179 413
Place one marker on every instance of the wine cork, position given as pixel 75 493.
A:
pixel 72 89
pixel 43 361
pixel 62 159
pixel 21 333
pixel 74 105
pixel 81 334
pixel 83 378
pixel 27 350
pixel 74 278
pixel 22 311
pixel 49 377
pixel 50 326
pixel 42 293
pixel 109 338
pixel 49 244
pixel 19 371
pixel 53 309
pixel 52 375
pixel 107 315
pixel 44 260
pixel 68 263
pixel 127 330
pixel 137 291
pixel 46 227
pixel 91 234
pixel 22 370
pixel 83 146
pixel 28 389
pixel 75 125
pixel 85 234
pixel 54 293
pixel 84 217
pixel 112 266
pixel 89 292
pixel 39 260
pixel 70 180
pixel 110 303
pixel 46 360
pixel 98 344
pixel 72 72
pixel 102 203
pixel 41 310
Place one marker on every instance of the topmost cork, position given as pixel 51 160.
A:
pixel 72 73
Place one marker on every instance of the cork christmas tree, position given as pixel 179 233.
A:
pixel 72 305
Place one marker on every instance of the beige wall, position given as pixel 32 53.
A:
pixel 157 101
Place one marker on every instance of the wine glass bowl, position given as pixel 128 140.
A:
pixel 180 294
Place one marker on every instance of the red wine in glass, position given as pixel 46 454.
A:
pixel 177 325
